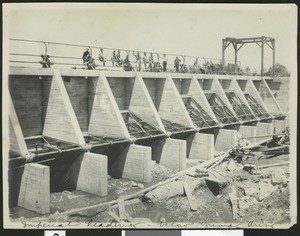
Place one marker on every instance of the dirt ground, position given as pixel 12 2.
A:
pixel 237 196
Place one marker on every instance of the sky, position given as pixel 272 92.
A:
pixel 190 29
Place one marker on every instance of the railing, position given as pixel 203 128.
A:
pixel 24 52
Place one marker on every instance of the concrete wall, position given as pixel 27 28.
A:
pixel 122 90
pixel 78 92
pixel 28 94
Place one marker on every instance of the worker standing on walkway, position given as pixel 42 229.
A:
pixel 138 61
pixel 165 62
pixel 127 65
pixel 118 59
pixel 145 61
pixel 101 57
pixel 177 63
pixel 113 58
pixel 151 62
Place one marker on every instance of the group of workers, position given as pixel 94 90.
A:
pixel 147 62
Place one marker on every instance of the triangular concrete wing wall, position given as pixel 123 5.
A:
pixel 60 121
pixel 16 139
pixel 105 119
pixel 142 105
pixel 268 98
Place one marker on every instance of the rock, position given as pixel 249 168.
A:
pixel 162 220
pixel 231 166
pixel 278 177
pixel 246 202
pixel 140 185
pixel 250 191
pixel 265 190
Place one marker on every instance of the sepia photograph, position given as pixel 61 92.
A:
pixel 147 115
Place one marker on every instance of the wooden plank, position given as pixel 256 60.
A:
pixel 114 216
pixel 189 196
pixel 60 120
pixel 121 207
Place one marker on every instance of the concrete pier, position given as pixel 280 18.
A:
pixel 99 123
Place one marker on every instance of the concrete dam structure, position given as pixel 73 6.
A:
pixel 69 129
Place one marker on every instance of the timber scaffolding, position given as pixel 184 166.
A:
pixel 70 128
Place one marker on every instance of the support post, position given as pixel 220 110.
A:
pixel 133 163
pixel 34 192
pixel 262 55
pixel 223 53
pixel 170 153
pixel 92 177
pixel 273 45
pixel 235 56
pixel 200 146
